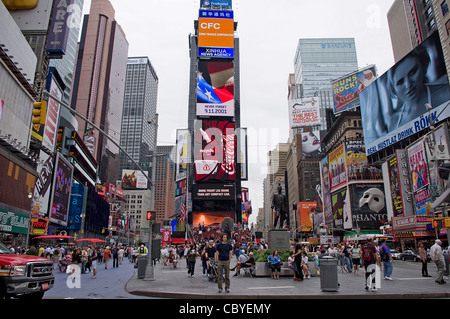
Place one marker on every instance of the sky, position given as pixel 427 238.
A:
pixel 269 32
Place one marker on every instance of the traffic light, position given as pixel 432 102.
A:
pixel 438 223
pixel 151 215
pixel 39 112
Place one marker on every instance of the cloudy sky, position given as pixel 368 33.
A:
pixel 269 32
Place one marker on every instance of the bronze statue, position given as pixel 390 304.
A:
pixel 279 206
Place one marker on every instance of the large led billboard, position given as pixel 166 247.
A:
pixel 62 185
pixel 394 106
pixel 216 34
pixel 215 89
pixel 215 151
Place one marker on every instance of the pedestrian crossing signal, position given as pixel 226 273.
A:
pixel 151 215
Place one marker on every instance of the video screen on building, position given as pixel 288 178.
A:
pixel 214 151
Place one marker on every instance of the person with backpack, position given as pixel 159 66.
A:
pixel 369 257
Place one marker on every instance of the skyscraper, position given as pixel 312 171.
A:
pixel 138 132
pixel 317 62
pixel 99 84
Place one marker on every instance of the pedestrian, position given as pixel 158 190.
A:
pixel 121 252
pixel 191 258
pixel 94 257
pixel 356 258
pixel 347 259
pixel 298 261
pixel 424 259
pixel 293 265
pixel 84 259
pixel 106 256
pixel 305 268
pixel 224 252
pixel 274 261
pixel 115 255
pixel 370 260
pixel 386 258
pixel 437 256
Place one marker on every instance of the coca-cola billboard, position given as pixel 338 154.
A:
pixel 215 151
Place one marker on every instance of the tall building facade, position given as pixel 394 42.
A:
pixel 138 129
pixel 165 184
pixel 410 23
pixel 99 84
pixel 317 62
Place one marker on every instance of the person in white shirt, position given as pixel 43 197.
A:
pixel 437 256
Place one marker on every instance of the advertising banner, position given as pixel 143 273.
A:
pixel 210 219
pixel 418 165
pixel 214 151
pixel 395 187
pixel 65 15
pixel 214 192
pixel 216 34
pixel 304 112
pixel 215 89
pixel 326 190
pixel 405 182
pixel 133 179
pixel 306 212
pixel 76 207
pixel 182 155
pixel 394 106
pixel 310 143
pixel 341 209
pixel 357 165
pixel 12 222
pixel 336 161
pixel 42 189
pixel 346 90
pixel 62 185
pixel 216 4
pixel 368 205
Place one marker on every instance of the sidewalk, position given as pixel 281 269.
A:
pixel 175 283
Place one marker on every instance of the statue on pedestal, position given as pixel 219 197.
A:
pixel 279 207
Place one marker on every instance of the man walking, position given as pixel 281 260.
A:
pixel 224 252
pixel 437 257
pixel 386 258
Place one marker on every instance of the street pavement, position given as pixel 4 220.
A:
pixel 175 283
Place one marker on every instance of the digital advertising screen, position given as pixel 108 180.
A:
pixel 216 34
pixel 62 184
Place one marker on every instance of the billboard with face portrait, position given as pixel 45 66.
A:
pixel 394 107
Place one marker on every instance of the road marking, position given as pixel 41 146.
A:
pixel 281 287
pixel 415 278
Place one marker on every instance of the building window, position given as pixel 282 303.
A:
pixel 444 7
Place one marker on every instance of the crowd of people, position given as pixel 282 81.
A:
pixel 213 246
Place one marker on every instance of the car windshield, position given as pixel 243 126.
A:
pixel 4 249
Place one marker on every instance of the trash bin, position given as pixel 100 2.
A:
pixel 142 265
pixel 328 274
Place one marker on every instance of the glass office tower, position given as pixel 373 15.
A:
pixel 138 132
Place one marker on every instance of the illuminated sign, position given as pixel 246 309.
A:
pixel 216 34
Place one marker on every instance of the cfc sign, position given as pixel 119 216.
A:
pixel 216 34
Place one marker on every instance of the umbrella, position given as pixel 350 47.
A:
pixel 53 237
pixel 94 240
